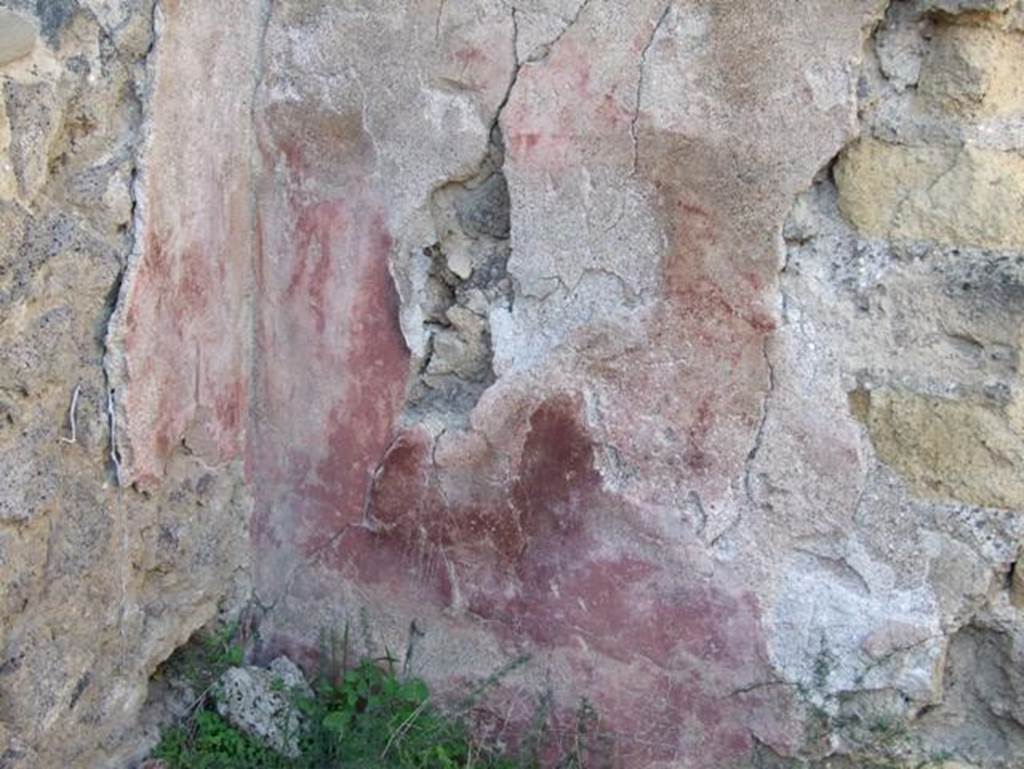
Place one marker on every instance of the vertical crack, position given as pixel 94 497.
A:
pixel 516 66
pixel 111 361
pixel 438 18
pixel 635 120
pixel 542 51
pixel 748 484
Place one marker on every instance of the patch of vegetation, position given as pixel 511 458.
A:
pixel 205 658
pixel 207 741
pixel 367 717
pixel 825 663
pixel 854 729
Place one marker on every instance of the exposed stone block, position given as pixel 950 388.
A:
pixel 974 70
pixel 959 450
pixel 967 6
pixel 962 196
pixel 260 702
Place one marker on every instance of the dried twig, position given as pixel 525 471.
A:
pixel 405 726
pixel 72 421
pixel 112 417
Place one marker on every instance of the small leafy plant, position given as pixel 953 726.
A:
pixel 368 719
pixel 207 741
pixel 205 659
pixel 365 717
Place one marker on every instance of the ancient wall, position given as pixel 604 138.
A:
pixel 673 343
pixel 100 581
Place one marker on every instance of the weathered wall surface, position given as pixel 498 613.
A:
pixel 593 486
pixel 903 321
pixel 675 344
pixel 99 583
pixel 748 493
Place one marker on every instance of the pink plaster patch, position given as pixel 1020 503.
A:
pixel 183 360
pixel 182 325
pixel 476 56
pixel 543 137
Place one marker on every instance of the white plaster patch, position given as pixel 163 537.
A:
pixel 832 631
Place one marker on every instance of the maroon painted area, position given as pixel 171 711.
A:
pixel 517 525
pixel 331 362
pixel 328 310
pixel 534 561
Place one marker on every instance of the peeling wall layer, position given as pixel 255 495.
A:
pixel 180 339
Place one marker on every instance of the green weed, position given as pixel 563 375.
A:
pixel 207 741
pixel 366 717
pixel 205 659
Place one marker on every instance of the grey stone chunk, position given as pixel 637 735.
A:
pixel 260 702
pixel 54 15
pixel 15 488
pixel 34 113
pixel 484 210
pixel 17 37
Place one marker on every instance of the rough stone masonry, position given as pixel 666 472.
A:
pixel 673 343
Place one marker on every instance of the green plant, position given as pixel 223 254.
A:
pixel 590 745
pixel 887 728
pixel 207 741
pixel 824 664
pixel 371 718
pixel 206 658
pixel 366 717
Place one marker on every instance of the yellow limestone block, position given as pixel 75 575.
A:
pixel 949 449
pixel 956 195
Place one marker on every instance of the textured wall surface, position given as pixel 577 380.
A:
pixel 99 583
pixel 673 343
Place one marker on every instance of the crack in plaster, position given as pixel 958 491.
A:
pixel 641 68
pixel 545 49
pixel 112 360
pixel 759 434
